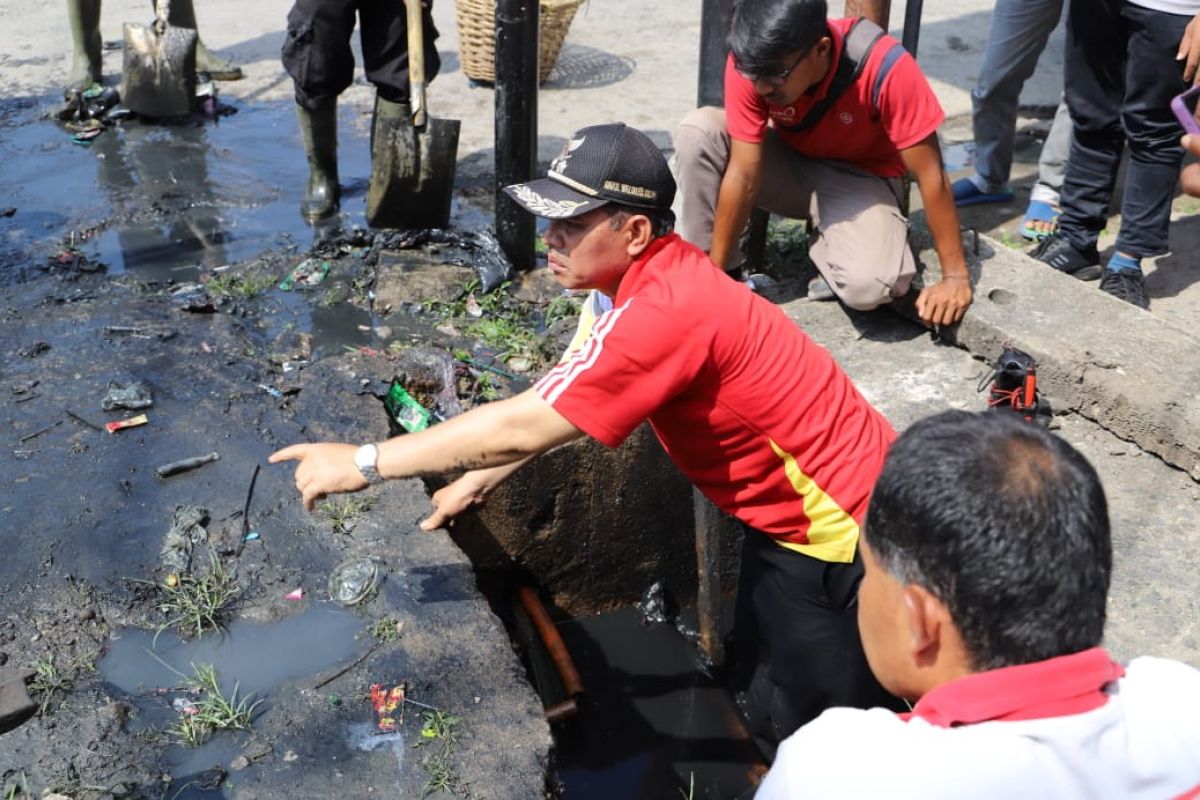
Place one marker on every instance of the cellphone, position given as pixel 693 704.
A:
pixel 1184 107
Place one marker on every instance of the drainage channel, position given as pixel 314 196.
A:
pixel 650 721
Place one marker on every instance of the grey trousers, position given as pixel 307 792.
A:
pixel 1020 29
pixel 861 242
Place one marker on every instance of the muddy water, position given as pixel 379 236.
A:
pixel 650 723
pixel 256 658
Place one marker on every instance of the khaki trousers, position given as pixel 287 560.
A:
pixel 860 244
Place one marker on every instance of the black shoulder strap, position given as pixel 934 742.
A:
pixel 856 50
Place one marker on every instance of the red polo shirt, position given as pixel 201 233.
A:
pixel 853 130
pixel 761 419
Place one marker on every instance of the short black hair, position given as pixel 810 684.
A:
pixel 1006 524
pixel 762 32
pixel 662 221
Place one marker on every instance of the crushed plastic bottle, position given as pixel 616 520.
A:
pixel 353 581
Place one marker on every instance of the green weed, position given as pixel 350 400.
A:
pixel 562 307
pixel 47 682
pixel 193 604
pixel 213 711
pixel 245 287
pixel 439 734
pixel 342 511
pixel 386 630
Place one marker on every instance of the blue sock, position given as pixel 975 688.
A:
pixel 1123 263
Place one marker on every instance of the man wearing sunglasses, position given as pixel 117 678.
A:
pixel 810 135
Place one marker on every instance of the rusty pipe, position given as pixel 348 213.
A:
pixel 572 683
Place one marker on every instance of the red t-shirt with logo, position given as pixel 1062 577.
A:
pixel 762 420
pixel 853 130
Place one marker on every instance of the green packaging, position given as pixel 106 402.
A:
pixel 404 408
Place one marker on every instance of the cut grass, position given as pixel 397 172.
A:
pixel 342 511
pixel 213 711
pixel 194 605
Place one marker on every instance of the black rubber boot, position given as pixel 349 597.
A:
pixel 183 15
pixel 319 130
pixel 86 65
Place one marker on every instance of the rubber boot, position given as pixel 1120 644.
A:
pixel 85 35
pixel 385 113
pixel 183 15
pixel 319 130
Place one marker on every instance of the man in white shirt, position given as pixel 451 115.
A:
pixel 988 557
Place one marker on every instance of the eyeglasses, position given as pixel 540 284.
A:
pixel 776 80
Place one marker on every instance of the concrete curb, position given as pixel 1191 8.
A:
pixel 1128 371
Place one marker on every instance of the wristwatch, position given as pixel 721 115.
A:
pixel 365 459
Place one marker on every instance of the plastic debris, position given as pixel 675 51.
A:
pixel 185 706
pixel 250 537
pixel 132 396
pixel 193 297
pixel 472 306
pixel 85 137
pixel 294 595
pixel 121 424
pixel 8 211
pixel 271 390
pixel 353 581
pixel 308 273
pixel 186 465
pixel 405 410
pixel 388 703
pixel 187 530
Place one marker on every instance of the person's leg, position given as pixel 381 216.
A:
pixel 1041 217
pixel 183 15
pixel 1095 86
pixel 702 153
pixel 1152 78
pixel 383 30
pixel 317 55
pixel 1018 35
pixel 86 62
pixel 861 241
pixel 796 640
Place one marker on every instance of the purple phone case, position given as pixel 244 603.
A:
pixel 1186 118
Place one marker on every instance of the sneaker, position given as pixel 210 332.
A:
pixel 1060 254
pixel 1126 284
pixel 819 290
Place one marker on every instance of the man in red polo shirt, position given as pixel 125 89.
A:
pixel 808 134
pixel 988 557
pixel 762 421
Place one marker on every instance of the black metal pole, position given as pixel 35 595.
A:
pixel 711 84
pixel 516 123
pixel 912 25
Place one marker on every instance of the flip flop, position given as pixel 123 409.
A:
pixel 1039 211
pixel 966 193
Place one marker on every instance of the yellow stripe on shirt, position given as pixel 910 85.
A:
pixel 832 533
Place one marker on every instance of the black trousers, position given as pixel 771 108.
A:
pixel 1121 74
pixel 796 646
pixel 317 53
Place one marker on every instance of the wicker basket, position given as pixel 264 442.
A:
pixel 477 35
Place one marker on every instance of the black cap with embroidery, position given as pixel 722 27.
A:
pixel 598 165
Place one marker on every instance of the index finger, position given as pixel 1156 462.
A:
pixel 295 452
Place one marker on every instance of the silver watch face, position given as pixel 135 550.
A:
pixel 365 458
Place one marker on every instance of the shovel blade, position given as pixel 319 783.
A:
pixel 159 71
pixel 412 174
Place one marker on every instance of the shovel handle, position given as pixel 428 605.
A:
pixel 416 61
pixel 162 13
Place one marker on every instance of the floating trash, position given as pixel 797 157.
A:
pixel 307 274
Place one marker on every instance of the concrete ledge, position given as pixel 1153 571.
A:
pixel 1118 365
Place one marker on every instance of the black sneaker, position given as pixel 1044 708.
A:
pixel 1059 253
pixel 1127 285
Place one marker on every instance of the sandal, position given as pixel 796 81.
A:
pixel 967 193
pixel 1040 211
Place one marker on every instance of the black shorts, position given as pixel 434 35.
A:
pixel 796 646
pixel 317 53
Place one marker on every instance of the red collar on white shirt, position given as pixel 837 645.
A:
pixel 1056 687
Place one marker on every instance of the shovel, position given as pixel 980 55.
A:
pixel 159 73
pixel 412 166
